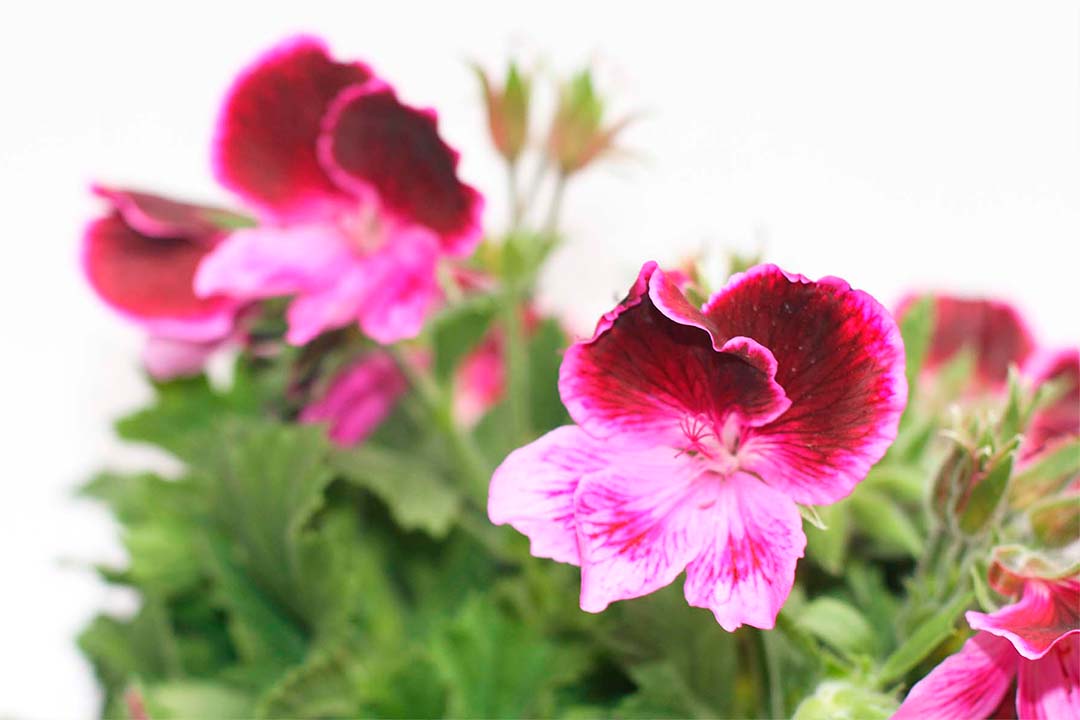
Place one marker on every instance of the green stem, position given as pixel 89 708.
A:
pixel 552 223
pixel 517 368
pixel 772 674
pixel 517 209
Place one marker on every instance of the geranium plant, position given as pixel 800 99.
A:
pixel 417 495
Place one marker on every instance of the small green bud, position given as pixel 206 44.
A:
pixel 577 135
pixel 508 111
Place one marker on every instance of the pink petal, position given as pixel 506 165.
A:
pixel 480 380
pixel 1049 688
pixel 1060 420
pixel 1048 611
pixel 968 684
pixel 746 570
pixel 165 358
pixel 358 399
pixel 149 280
pixel 644 375
pixel 639 523
pixel 157 216
pixel 533 490
pixel 268 128
pixel 372 142
pixel 840 361
pixel 994 330
pixel 269 261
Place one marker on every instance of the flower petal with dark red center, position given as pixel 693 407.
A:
pixel 639 523
pixel 992 330
pixel 156 216
pixel 840 362
pixel 268 129
pixel 1049 688
pixel 746 570
pixel 967 684
pixel 371 142
pixel 1048 611
pixel 359 399
pixel 646 377
pixel 150 281
pixel 1060 420
pixel 533 490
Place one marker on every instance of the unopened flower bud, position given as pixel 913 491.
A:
pixel 508 111
pixel 578 135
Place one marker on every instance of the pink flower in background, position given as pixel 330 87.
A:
pixel 1035 641
pixel 994 331
pixel 358 399
pixel 1059 421
pixel 697 433
pixel 480 380
pixel 141 258
pixel 358 194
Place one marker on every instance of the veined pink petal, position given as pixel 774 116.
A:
pixel 645 377
pixel 371 141
pixel 404 289
pixel 265 143
pixel 166 358
pixel 359 399
pixel 746 570
pixel 269 261
pixel 639 522
pixel 1048 611
pixel 1049 688
pixel 533 490
pixel 149 281
pixel 993 330
pixel 968 684
pixel 840 361
pixel 1060 420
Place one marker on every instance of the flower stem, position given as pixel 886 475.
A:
pixel 552 223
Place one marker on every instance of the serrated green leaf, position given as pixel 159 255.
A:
pixel 986 497
pixel 139 497
pixel 325 685
pixel 923 641
pixel 1056 521
pixel 407 687
pixel 1046 475
pixel 845 700
pixel 416 493
pixel 164 557
pixel 497 666
pixel 839 624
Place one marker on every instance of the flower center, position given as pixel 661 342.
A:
pixel 716 443
pixel 366 229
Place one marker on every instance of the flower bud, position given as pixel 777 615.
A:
pixel 508 111
pixel 577 133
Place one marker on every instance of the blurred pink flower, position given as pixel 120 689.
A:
pixel 697 433
pixel 1035 641
pixel 1059 421
pixel 358 399
pixel 140 258
pixel 358 194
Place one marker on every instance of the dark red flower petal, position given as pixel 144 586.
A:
pixel 649 378
pixel 268 129
pixel 840 361
pixel 993 330
pixel 371 142
pixel 156 216
pixel 149 279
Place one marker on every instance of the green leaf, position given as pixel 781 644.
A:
pixel 917 328
pixel 497 666
pixel 409 686
pixel 1056 521
pixel 662 691
pixel 417 495
pixel 325 685
pixel 546 347
pixel 844 700
pixel 1047 475
pixel 164 557
pixel 985 498
pixel 140 497
pixel 882 518
pixel 458 330
pixel 839 624
pixel 184 699
pixel 829 547
pixel 923 641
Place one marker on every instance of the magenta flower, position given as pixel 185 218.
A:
pixel 1059 421
pixel 1035 641
pixel 141 258
pixel 359 196
pixel 994 331
pixel 358 399
pixel 697 433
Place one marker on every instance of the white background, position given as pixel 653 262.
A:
pixel 895 146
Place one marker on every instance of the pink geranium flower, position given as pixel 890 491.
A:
pixel 358 194
pixel 358 399
pixel 480 379
pixel 141 258
pixel 994 331
pixel 697 433
pixel 1059 421
pixel 1034 642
